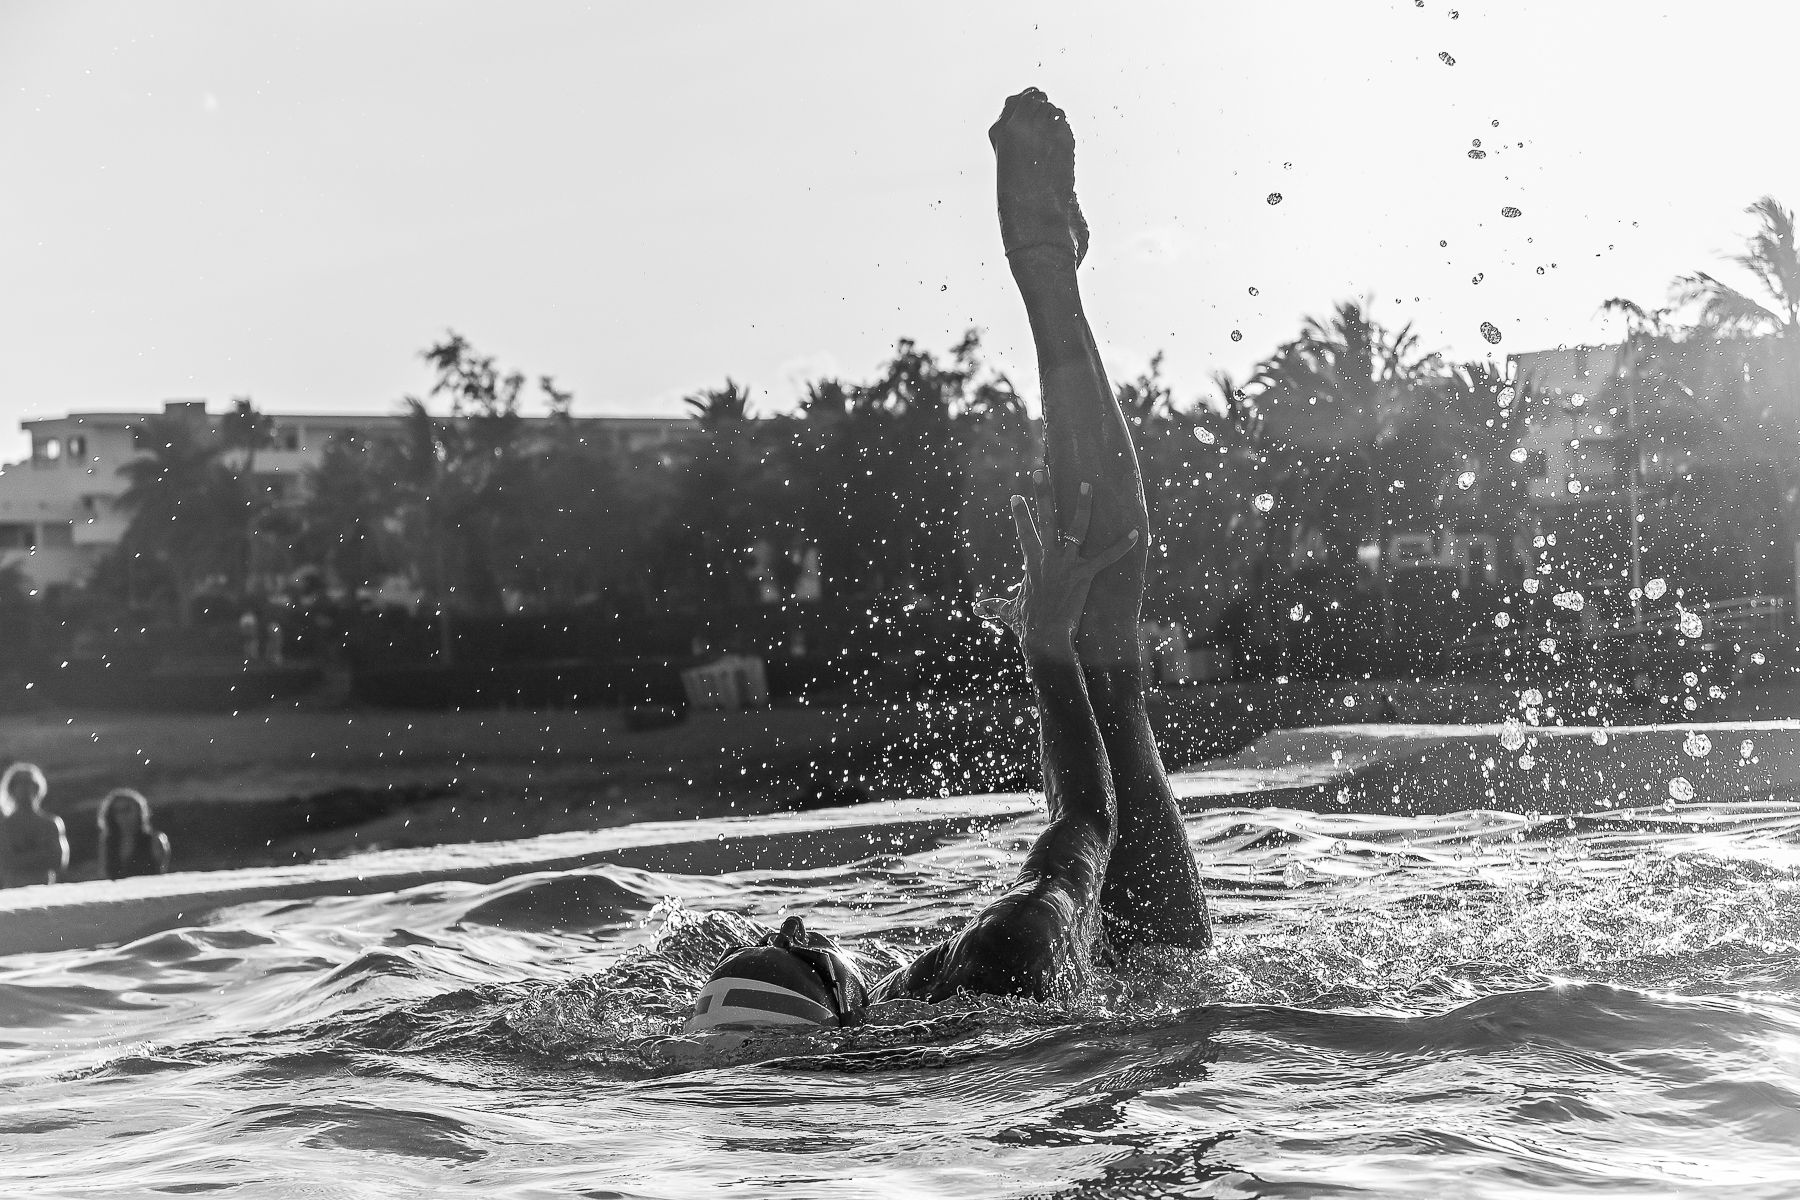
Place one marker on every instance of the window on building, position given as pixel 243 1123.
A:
pixel 50 449
pixel 78 447
pixel 18 537
pixel 288 437
pixel 56 535
pixel 1537 464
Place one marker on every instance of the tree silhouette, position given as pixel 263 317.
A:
pixel 1771 257
pixel 188 511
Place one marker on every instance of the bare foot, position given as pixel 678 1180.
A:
pixel 1035 149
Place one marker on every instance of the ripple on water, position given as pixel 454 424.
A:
pixel 1485 1003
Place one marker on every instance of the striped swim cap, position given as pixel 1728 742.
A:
pixel 784 981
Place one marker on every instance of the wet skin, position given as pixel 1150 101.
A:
pixel 1114 857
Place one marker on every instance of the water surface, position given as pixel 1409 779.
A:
pixel 1479 1004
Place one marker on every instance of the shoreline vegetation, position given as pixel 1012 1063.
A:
pixel 284 785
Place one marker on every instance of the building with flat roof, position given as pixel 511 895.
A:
pixel 60 510
pixel 1607 431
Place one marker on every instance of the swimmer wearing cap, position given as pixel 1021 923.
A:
pixel 1112 867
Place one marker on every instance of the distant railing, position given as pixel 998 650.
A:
pixel 1762 614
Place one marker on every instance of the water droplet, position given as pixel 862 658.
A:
pixel 1237 335
pixel 1531 697
pixel 1573 601
pixel 1531 586
pixel 1349 701
pixel 1696 745
pixel 1600 737
pixel 1297 613
pixel 1512 733
pixel 1478 154
pixel 1574 487
pixel 1519 454
pixel 1442 243
pixel 1746 748
pixel 1690 704
pixel 1526 762
pixel 1691 625
pixel 1274 197
pixel 1206 436
pixel 1502 620
pixel 1655 588
pixel 1265 502
pixel 1547 645
pixel 1690 679
pixel 1444 57
pixel 1680 789
pixel 1510 211
pixel 1294 874
pixel 1491 332
pixel 1540 270
pixel 1254 292
pixel 1757 658
pixel 1466 480
pixel 1477 277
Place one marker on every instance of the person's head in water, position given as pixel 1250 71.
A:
pixel 22 785
pixel 791 978
pixel 124 813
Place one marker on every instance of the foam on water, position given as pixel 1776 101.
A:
pixel 1481 1003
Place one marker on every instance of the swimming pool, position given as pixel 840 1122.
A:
pixel 1474 1003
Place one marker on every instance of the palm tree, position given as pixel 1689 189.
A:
pixel 1327 403
pixel 711 523
pixel 344 519
pixel 1146 399
pixel 243 432
pixel 719 405
pixel 187 509
pixel 1772 257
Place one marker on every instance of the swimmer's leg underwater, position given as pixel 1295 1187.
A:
pixel 1152 890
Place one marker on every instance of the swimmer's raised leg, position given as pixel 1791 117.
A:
pixel 1034 939
pixel 1152 888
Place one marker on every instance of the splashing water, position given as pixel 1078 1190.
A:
pixel 1480 1004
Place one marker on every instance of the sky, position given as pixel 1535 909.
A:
pixel 290 201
